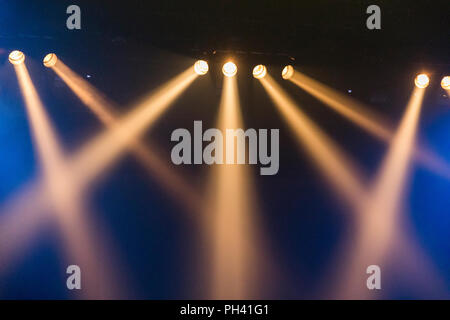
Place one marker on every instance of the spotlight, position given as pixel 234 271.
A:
pixel 16 57
pixel 445 83
pixel 259 71
pixel 288 72
pixel 50 60
pixel 229 69
pixel 422 81
pixel 201 67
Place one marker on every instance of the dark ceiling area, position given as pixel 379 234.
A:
pixel 312 32
pixel 328 39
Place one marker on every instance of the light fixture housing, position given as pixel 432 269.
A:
pixel 422 81
pixel 287 72
pixel 229 69
pixel 445 83
pixel 50 60
pixel 259 71
pixel 201 67
pixel 16 57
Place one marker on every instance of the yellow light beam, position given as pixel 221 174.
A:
pixel 104 149
pixel 341 173
pixel 231 222
pixel 87 246
pixel 22 216
pixel 363 117
pixel 104 110
pixel 64 196
pixel 370 209
pixel 91 97
pixel 394 170
pixel 84 156
pixel 344 105
pixel 47 144
pixel 379 218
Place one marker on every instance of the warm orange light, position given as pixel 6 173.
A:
pixel 445 83
pixel 422 81
pixel 103 108
pixel 201 67
pixel 234 244
pixel 342 174
pixel 50 60
pixel 229 69
pixel 287 72
pixel 365 117
pixel 65 199
pixel 379 220
pixel 16 57
pixel 100 152
pixel 259 71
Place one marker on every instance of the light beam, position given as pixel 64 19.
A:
pixel 104 110
pixel 147 111
pixel 360 115
pixel 65 197
pixel 378 222
pixel 231 221
pixel 341 173
pixel 103 150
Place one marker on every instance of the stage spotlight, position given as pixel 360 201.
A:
pixel 229 69
pixel 445 83
pixel 50 60
pixel 201 67
pixel 16 57
pixel 288 72
pixel 259 71
pixel 422 81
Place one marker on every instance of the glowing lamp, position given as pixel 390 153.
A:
pixel 50 60
pixel 422 81
pixel 229 69
pixel 201 67
pixel 445 83
pixel 287 72
pixel 16 57
pixel 259 71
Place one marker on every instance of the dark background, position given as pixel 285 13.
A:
pixel 130 47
